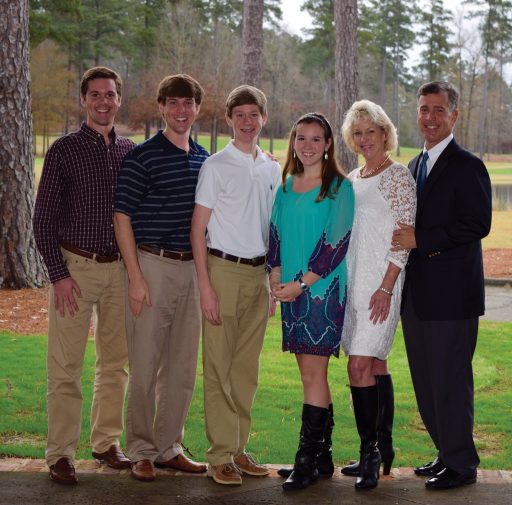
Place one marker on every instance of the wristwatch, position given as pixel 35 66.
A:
pixel 303 285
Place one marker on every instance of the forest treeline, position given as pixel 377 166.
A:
pixel 145 40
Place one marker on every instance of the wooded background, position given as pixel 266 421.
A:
pixel 146 40
pixel 355 49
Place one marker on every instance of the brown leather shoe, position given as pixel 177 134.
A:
pixel 114 458
pixel 63 472
pixel 143 470
pixel 227 474
pixel 183 464
pixel 248 465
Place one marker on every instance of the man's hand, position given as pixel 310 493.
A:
pixel 403 238
pixel 138 291
pixel 210 305
pixel 64 296
pixel 272 306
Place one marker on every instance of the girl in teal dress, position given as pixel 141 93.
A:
pixel 309 235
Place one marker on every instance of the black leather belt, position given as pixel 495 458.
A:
pixel 254 262
pixel 174 255
pixel 92 256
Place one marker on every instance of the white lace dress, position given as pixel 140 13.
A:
pixel 380 202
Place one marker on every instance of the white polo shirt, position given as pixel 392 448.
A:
pixel 240 191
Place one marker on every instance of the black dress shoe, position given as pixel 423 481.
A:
pixel 430 469
pixel 449 479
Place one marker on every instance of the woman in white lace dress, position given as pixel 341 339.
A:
pixel 385 194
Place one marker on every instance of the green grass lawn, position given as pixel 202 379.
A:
pixel 276 412
pixel 500 172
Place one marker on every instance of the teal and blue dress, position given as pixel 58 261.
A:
pixel 309 235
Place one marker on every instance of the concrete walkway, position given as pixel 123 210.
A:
pixel 498 302
pixel 26 482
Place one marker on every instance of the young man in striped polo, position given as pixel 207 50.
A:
pixel 234 200
pixel 153 212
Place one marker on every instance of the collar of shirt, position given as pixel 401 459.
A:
pixel 234 151
pixel 435 152
pixel 94 135
pixel 164 141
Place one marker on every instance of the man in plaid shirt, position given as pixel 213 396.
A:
pixel 75 236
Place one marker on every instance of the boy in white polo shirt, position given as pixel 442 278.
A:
pixel 234 198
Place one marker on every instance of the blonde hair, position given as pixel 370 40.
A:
pixel 365 109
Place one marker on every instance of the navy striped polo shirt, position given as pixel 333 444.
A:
pixel 156 188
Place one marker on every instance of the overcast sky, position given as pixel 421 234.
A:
pixel 295 19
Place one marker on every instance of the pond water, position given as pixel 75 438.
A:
pixel 502 196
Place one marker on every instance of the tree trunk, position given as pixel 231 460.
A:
pixel 483 113
pixel 396 97
pixel 346 75
pixel 252 42
pixel 20 264
pixel 382 87
pixel 213 135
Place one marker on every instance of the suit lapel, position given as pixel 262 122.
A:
pixel 438 168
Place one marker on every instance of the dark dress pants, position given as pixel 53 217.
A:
pixel 440 355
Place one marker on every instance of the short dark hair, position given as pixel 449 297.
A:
pixel 246 95
pixel 435 87
pixel 179 86
pixel 100 73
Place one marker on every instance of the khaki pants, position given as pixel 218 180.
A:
pixel 102 287
pixel 162 346
pixel 231 354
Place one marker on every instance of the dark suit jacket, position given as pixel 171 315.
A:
pixel 444 274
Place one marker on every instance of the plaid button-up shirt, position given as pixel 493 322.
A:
pixel 75 197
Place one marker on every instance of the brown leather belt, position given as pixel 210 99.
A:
pixel 174 255
pixel 254 262
pixel 92 256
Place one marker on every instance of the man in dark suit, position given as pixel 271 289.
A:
pixel 444 286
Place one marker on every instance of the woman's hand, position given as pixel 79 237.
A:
pixel 287 292
pixel 380 302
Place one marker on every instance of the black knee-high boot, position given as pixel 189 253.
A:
pixel 385 421
pixel 384 427
pixel 365 400
pixel 324 458
pixel 305 470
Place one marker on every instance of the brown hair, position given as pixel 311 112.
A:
pixel 331 168
pixel 100 73
pixel 246 95
pixel 179 86
pixel 435 87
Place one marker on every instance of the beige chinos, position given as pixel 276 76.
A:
pixel 162 346
pixel 102 288
pixel 231 354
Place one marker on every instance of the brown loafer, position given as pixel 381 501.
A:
pixel 183 464
pixel 143 470
pixel 114 458
pixel 63 472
